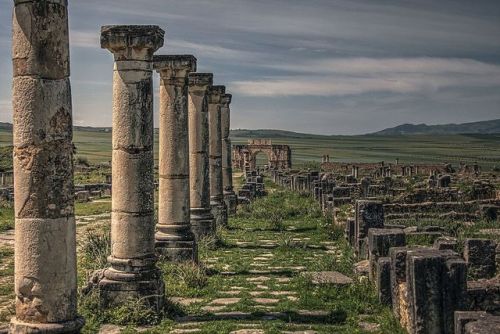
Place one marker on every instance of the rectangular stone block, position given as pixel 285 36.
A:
pixel 462 318
pixel 380 241
pixel 350 231
pixel 486 325
pixel 383 280
pixel 424 270
pixel 484 295
pixel 480 257
pixel 454 283
pixel 369 214
pixel 436 285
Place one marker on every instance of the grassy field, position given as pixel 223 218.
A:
pixel 254 267
pixel 485 149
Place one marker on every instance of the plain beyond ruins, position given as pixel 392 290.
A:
pixel 415 245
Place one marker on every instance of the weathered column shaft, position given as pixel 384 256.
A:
pixel 227 165
pixel 45 238
pixel 217 203
pixel 133 273
pixel 174 238
pixel 202 220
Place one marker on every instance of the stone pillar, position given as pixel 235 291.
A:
pixel 174 239
pixel 45 239
pixel 227 169
pixel 219 209
pixel 133 272
pixel 202 220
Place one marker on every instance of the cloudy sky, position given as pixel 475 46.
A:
pixel 317 66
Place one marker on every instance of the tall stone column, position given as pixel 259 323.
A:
pixel 230 197
pixel 45 238
pixel 219 209
pixel 174 238
pixel 133 272
pixel 202 220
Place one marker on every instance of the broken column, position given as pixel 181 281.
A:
pixel 227 165
pixel 219 209
pixel 45 239
pixel 174 239
pixel 133 272
pixel 202 220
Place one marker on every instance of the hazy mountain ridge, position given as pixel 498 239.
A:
pixel 482 127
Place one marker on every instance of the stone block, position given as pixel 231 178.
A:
pixel 379 242
pixel 436 286
pixel 480 257
pixel 486 325
pixel 383 280
pixel 462 318
pixel 444 243
pixel 369 214
pixel 484 295
pixel 350 225
pixel 489 212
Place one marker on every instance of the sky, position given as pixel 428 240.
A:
pixel 318 66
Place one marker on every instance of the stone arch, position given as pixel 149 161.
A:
pixel 244 156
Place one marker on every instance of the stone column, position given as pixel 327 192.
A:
pixel 219 209
pixel 174 238
pixel 45 239
pixel 202 220
pixel 227 165
pixel 133 272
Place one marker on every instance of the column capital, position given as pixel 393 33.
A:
pixel 226 99
pixel 200 81
pixel 174 66
pixel 216 93
pixel 132 42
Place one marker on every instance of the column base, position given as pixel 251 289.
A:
pixel 177 251
pixel 219 211
pixel 231 202
pixel 68 327
pixel 202 223
pixel 115 293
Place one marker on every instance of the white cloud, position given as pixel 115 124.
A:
pixel 211 51
pixel 349 76
pixel 85 39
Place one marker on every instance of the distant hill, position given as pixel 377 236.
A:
pixel 270 133
pixel 5 126
pixel 483 127
pixel 8 126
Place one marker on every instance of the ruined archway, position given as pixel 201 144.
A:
pixel 278 156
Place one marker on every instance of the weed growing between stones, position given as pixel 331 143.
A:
pixel 192 275
pixel 6 216
pixel 95 248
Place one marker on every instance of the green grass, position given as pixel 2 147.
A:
pixel 485 149
pixel 92 208
pixel 299 240
pixel 6 217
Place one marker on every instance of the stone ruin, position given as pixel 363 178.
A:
pixel 244 157
pixel 450 286
pixel 195 174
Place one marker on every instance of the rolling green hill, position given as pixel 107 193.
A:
pixel 432 148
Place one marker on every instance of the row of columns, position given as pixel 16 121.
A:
pixel 194 179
